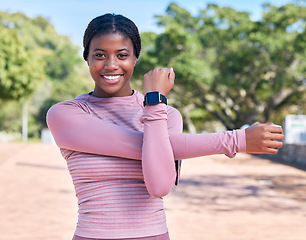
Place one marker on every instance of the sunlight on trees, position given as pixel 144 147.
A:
pixel 237 71
pixel 230 70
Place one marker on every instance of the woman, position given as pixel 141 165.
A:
pixel 121 148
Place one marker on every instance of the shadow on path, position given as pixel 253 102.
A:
pixel 242 193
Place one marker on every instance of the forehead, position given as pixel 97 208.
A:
pixel 111 41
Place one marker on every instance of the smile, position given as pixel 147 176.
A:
pixel 112 78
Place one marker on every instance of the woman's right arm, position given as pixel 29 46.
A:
pixel 75 129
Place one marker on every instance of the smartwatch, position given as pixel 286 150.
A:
pixel 153 98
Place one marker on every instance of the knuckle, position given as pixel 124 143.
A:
pixel 265 135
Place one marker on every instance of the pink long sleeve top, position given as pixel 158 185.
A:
pixel 121 159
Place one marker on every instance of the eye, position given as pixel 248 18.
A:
pixel 122 56
pixel 100 55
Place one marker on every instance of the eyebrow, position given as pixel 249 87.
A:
pixel 119 50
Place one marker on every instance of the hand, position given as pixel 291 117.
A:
pixel 264 138
pixel 158 79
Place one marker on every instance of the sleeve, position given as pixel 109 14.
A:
pixel 175 124
pixel 75 129
pixel 158 163
pixel 195 145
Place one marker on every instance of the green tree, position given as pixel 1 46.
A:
pixel 20 69
pixel 35 51
pixel 231 68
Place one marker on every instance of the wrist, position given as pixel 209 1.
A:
pixel 152 98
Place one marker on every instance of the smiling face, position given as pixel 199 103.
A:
pixel 111 62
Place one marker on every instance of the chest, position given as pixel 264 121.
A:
pixel 127 116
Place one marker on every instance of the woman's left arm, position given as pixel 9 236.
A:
pixel 157 155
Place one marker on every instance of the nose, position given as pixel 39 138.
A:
pixel 111 64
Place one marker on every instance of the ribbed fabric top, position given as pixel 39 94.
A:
pixel 112 196
pixel 103 139
pixel 113 199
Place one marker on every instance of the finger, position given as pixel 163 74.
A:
pixel 275 129
pixel 277 136
pixel 171 75
pixel 268 124
pixel 275 144
pixel 271 150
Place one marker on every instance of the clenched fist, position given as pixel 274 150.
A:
pixel 264 138
pixel 158 79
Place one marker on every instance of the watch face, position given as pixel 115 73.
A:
pixel 152 98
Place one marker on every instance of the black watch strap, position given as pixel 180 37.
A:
pixel 153 98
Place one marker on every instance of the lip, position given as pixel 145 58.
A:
pixel 111 78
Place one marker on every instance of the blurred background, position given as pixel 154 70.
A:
pixel 236 63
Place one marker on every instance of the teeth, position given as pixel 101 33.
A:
pixel 112 77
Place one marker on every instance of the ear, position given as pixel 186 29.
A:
pixel 135 60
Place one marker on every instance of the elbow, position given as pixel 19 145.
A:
pixel 160 190
pixel 158 193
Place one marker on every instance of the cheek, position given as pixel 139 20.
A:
pixel 94 72
pixel 130 66
pixel 93 67
pixel 91 70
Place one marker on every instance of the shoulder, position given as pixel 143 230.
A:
pixel 69 106
pixel 173 112
pixel 175 121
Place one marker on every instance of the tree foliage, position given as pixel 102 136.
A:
pixel 20 69
pixel 227 66
pixel 39 64
pixel 231 68
pixel 57 52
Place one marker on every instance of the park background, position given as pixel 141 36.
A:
pixel 233 68
pixel 236 63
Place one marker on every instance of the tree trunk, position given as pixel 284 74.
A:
pixel 25 121
pixel 188 120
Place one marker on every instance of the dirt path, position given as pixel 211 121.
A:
pixel 245 198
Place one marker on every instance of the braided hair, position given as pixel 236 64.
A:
pixel 111 23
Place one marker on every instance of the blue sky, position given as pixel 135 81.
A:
pixel 70 17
